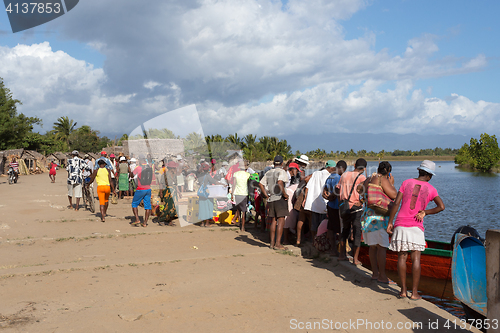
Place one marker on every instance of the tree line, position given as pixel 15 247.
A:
pixel 351 154
pixel 482 154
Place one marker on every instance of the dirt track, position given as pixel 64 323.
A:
pixel 65 271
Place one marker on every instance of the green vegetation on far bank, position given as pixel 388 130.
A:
pixel 482 155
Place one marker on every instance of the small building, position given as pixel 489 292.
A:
pixel 158 148
pixel 59 158
pixel 34 161
pixel 6 157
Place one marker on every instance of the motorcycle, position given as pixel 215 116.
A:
pixel 12 176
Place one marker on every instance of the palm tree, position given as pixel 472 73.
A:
pixel 63 128
pixel 234 139
pixel 194 140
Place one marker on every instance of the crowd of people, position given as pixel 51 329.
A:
pixel 333 208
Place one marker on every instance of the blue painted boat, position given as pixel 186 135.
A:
pixel 468 274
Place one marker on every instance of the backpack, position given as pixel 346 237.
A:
pixel 146 175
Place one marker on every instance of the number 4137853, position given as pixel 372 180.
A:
pixel 469 323
pixel 33 8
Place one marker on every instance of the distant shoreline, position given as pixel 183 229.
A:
pixel 315 164
pixel 412 158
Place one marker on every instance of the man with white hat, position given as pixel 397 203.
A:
pixel 303 162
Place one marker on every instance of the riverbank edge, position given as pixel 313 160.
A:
pixel 317 164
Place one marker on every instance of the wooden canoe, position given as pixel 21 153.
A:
pixel 435 261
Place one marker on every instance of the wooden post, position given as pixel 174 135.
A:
pixel 492 276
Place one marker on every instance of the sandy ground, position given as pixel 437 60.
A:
pixel 65 271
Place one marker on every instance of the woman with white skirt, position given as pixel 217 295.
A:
pixel 408 229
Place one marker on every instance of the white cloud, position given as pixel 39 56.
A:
pixel 328 108
pixel 226 55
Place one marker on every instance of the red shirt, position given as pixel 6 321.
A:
pixel 140 187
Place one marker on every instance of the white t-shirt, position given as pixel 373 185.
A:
pixel 270 182
pixel 314 201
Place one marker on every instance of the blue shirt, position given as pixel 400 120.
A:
pixel 330 184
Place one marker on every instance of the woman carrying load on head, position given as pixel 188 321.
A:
pixel 408 230
pixel 105 186
pixel 374 223
pixel 169 196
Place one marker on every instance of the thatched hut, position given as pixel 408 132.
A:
pixel 35 162
pixel 59 158
pixel 6 157
pixel 158 148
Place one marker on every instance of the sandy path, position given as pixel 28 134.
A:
pixel 64 271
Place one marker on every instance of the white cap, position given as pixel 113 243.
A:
pixel 428 166
pixel 303 159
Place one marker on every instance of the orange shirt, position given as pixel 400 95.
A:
pixel 346 182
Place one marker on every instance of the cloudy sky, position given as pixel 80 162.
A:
pixel 266 67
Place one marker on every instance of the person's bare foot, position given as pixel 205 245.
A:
pixel 415 297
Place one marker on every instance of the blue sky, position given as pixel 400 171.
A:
pixel 264 67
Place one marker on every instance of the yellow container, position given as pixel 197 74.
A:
pixel 224 217
pixel 193 204
pixel 193 216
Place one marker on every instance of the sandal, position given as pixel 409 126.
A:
pixel 135 224
pixel 144 225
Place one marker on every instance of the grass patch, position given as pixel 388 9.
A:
pixel 173 261
pixel 287 253
pixel 238 255
pixel 101 267
pixel 133 265
pixel 64 239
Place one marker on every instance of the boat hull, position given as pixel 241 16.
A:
pixel 435 261
pixel 469 274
